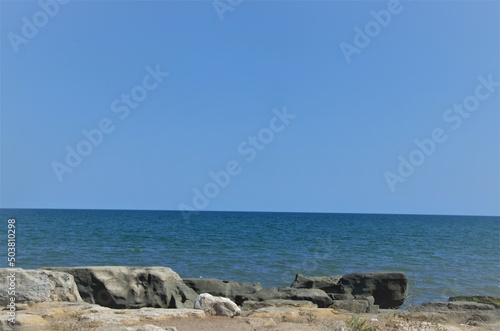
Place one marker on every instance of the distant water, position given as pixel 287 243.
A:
pixel 442 255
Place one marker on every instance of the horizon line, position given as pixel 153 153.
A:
pixel 250 211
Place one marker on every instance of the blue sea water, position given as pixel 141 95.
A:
pixel 442 255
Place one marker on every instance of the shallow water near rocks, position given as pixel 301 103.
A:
pixel 443 256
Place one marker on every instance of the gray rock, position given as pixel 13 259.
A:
pixel 132 287
pixel 216 306
pixel 316 296
pixel 222 288
pixel 353 306
pixel 370 299
pixel 39 286
pixel 339 296
pixel 357 304
pixel 328 284
pixel 389 289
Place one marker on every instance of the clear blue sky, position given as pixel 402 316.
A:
pixel 353 119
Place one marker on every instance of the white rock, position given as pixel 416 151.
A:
pixel 217 306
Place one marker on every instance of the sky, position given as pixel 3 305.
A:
pixel 289 106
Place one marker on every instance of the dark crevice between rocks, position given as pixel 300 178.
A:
pixel 172 304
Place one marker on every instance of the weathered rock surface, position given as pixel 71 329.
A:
pixel 216 306
pixel 370 299
pixel 389 289
pixel 465 312
pixel 329 284
pixel 355 306
pixel 495 301
pixel 454 305
pixel 39 286
pixel 467 305
pixel 129 316
pixel 338 296
pixel 145 327
pixel 132 287
pixel 432 306
pixel 222 288
pixel 253 305
pixel 316 296
pixel 292 313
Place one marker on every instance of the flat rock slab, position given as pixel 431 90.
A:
pixel 355 306
pixel 109 316
pixel 146 327
pixel 52 316
pixel 468 305
pixel 313 295
pixel 454 305
pixel 132 315
pixel 463 312
pixel 275 312
pixel 281 313
pixel 495 301
pixel 254 305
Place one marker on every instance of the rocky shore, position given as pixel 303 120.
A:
pixel 157 298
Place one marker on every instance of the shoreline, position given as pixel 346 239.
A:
pixel 121 297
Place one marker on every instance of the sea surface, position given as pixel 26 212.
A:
pixel 442 255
